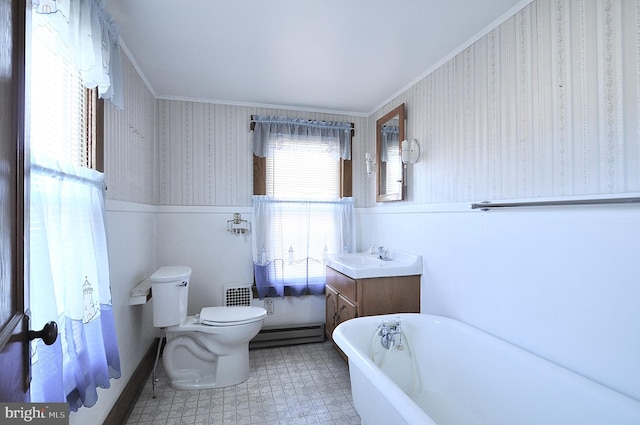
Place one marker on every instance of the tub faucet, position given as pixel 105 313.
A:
pixel 398 331
pixel 388 334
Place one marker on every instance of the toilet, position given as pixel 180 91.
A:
pixel 208 350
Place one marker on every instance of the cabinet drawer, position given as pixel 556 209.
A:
pixel 343 284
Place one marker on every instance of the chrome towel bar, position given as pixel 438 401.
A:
pixel 487 205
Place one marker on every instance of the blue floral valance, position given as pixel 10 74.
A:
pixel 269 130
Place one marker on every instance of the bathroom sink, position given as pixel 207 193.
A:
pixel 357 260
pixel 363 265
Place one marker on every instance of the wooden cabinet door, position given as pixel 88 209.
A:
pixel 331 310
pixel 346 310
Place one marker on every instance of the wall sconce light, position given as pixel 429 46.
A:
pixel 410 151
pixel 368 163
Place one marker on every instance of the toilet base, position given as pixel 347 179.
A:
pixel 190 366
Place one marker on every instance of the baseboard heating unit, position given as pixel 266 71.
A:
pixel 277 336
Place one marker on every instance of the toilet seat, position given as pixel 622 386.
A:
pixel 231 316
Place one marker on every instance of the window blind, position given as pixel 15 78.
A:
pixel 58 102
pixel 308 175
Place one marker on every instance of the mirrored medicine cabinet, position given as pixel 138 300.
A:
pixel 390 133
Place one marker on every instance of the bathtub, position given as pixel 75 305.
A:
pixel 451 373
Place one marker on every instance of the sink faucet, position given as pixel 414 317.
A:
pixel 383 253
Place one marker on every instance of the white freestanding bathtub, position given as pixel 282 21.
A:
pixel 451 373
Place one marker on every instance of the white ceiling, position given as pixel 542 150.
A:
pixel 346 56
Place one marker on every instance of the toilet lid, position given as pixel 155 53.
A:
pixel 170 274
pixel 231 315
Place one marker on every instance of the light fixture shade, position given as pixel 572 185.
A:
pixel 410 151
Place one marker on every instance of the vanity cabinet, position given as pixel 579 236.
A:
pixel 347 298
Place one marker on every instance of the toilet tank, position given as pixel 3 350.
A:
pixel 170 295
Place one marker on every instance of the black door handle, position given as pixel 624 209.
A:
pixel 49 333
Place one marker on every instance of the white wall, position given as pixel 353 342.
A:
pixel 560 282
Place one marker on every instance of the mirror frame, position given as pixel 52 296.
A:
pixel 399 111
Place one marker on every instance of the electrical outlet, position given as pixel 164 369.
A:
pixel 268 305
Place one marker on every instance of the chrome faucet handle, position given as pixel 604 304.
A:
pixel 398 330
pixel 384 327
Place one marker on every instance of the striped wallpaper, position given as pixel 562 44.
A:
pixel 545 105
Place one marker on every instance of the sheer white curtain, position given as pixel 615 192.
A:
pixel 69 275
pixel 291 240
pixel 301 221
pixel 82 27
pixel 69 264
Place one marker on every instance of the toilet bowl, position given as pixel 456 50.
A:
pixel 209 350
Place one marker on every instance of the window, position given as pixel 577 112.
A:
pixel 63 113
pixel 299 217
pixel 302 171
pixel 68 259
pixel 290 168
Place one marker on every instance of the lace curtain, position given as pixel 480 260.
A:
pixel 69 264
pixel 82 26
pixel 301 222
pixel 69 283
pixel 291 240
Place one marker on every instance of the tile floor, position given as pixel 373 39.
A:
pixel 298 384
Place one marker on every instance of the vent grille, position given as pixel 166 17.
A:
pixel 237 295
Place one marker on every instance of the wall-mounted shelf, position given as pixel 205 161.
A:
pixel 141 293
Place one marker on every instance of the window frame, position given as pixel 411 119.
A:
pixel 260 188
pixel 94 133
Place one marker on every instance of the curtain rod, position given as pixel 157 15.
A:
pixel 487 205
pixel 59 174
pixel 345 200
pixel 252 125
